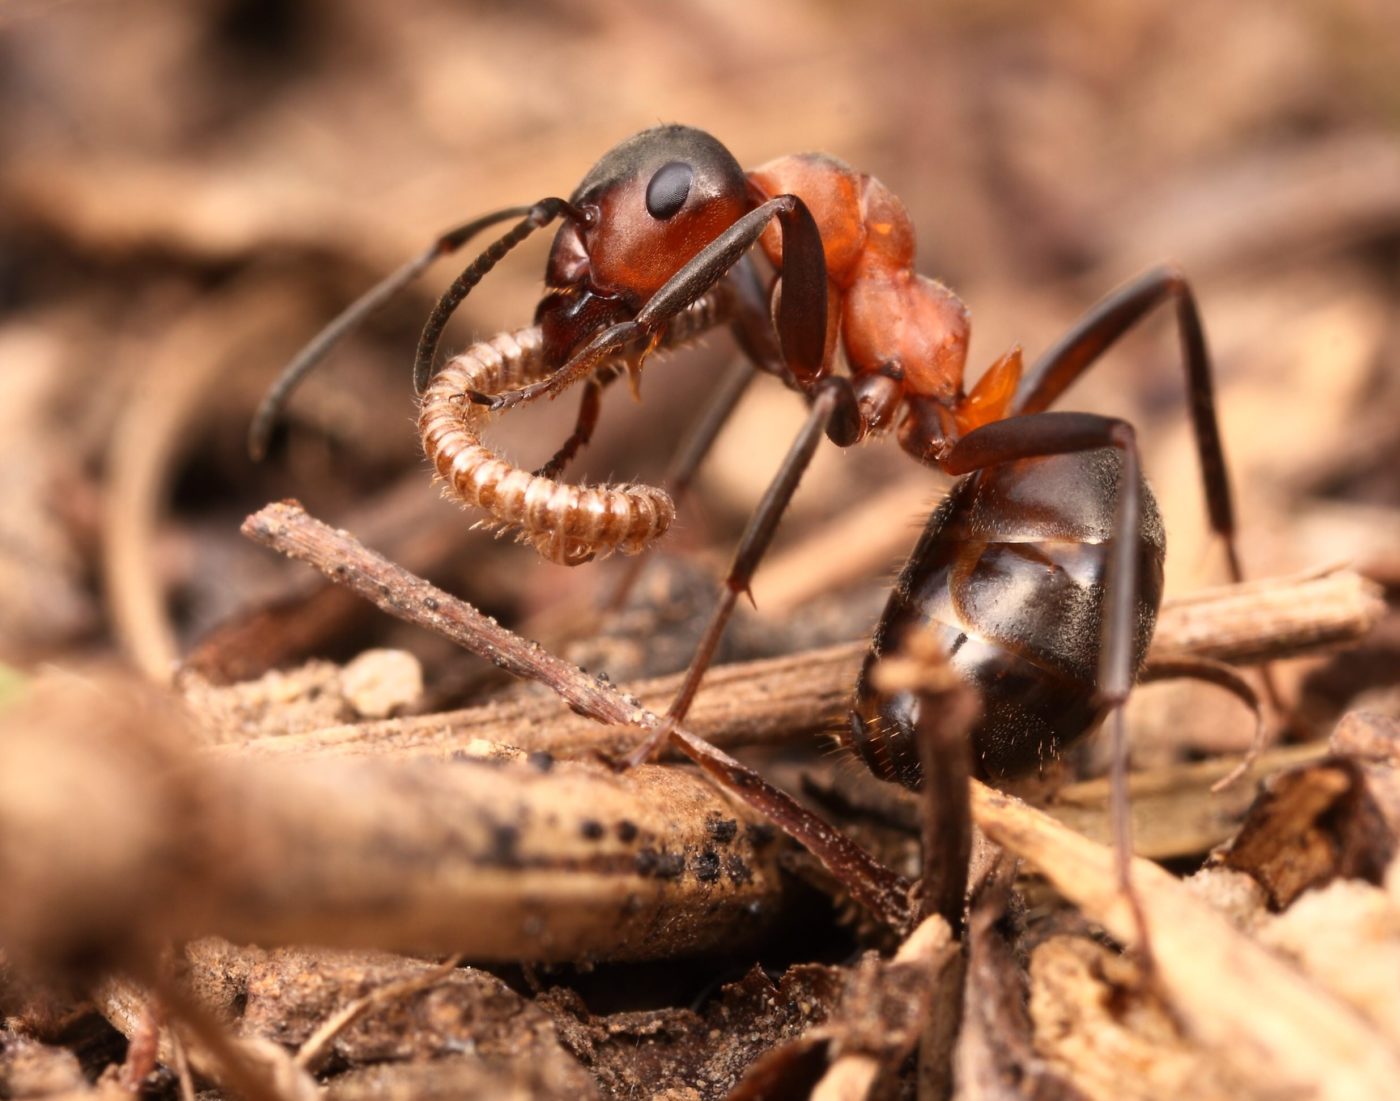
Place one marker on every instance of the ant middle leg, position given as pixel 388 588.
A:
pixel 833 413
pixel 1222 676
pixel 695 445
pixel 753 330
pixel 588 409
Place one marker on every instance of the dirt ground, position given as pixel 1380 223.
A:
pixel 199 737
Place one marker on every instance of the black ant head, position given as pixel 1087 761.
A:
pixel 647 208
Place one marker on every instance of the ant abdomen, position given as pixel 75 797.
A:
pixel 1009 576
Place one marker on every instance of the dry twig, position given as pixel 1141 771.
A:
pixel 287 527
pixel 1252 1008
pixel 773 700
pixel 315 1048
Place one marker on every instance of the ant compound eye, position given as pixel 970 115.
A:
pixel 668 189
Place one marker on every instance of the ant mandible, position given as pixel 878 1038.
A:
pixel 1042 570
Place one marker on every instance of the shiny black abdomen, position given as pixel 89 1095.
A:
pixel 1009 575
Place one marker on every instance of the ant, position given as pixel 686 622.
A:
pixel 1041 572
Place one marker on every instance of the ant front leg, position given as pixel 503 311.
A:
pixel 588 409
pixel 753 330
pixel 1041 435
pixel 834 412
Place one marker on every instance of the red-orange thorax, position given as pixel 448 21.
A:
pixel 891 318
pixel 892 321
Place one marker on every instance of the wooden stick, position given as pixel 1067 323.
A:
pixel 287 527
pixel 931 948
pixel 1257 1011
pixel 1267 620
pixel 776 700
pixel 315 1049
pixel 492 854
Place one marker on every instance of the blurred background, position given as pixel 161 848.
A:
pixel 189 191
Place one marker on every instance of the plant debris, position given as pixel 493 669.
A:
pixel 260 840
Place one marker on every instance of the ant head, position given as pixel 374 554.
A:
pixel 650 205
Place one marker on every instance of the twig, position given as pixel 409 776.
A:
pixel 314 1050
pixel 1267 620
pixel 113 837
pixel 501 859
pixel 933 950
pixel 801 696
pixel 1255 1010
pixel 235 1066
pixel 1177 811
pixel 144 446
pixel 302 610
pixel 287 527
pixel 182 1066
pixel 948 709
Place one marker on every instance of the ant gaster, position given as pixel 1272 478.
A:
pixel 1042 570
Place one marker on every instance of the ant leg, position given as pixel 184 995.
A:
pixel 703 432
pixel 1042 434
pixel 832 408
pixel 1222 676
pixel 588 409
pixel 349 318
pixel 801 320
pixel 694 447
pixel 752 326
pixel 1095 332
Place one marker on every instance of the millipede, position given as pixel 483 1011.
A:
pixel 565 522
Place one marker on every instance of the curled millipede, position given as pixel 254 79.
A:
pixel 565 522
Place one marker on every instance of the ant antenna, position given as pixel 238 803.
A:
pixel 541 214
pixel 265 419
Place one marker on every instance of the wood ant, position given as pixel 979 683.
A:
pixel 1040 574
